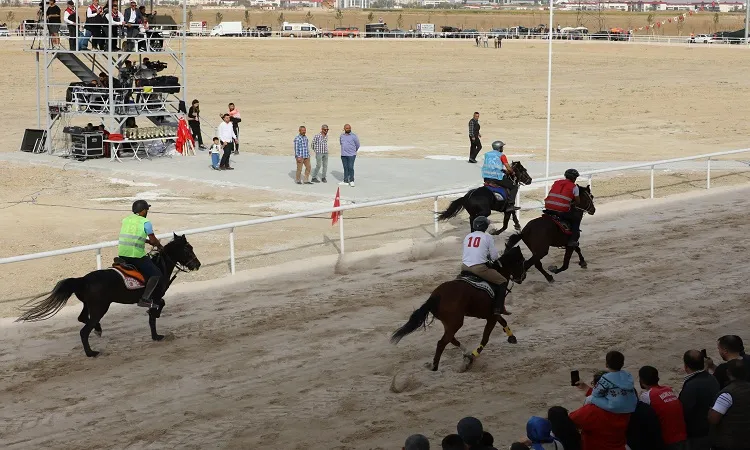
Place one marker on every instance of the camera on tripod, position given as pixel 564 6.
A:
pixel 156 66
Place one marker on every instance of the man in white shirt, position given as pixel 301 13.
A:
pixel 70 18
pixel 478 250
pixel 228 140
pixel 115 20
pixel 730 415
pixel 133 20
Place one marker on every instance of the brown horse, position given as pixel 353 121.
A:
pixel 456 299
pixel 542 233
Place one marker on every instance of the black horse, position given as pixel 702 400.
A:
pixel 542 233
pixel 482 201
pixel 99 289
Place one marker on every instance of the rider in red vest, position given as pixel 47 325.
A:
pixel 667 406
pixel 561 197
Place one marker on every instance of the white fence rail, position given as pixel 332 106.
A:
pixel 231 227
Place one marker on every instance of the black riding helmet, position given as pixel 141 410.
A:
pixel 481 223
pixel 498 145
pixel 571 174
pixel 140 205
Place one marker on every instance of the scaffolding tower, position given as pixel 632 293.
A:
pixel 115 77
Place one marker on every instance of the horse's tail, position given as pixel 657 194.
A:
pixel 51 305
pixel 513 240
pixel 455 207
pixel 417 319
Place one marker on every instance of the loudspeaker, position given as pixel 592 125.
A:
pixel 33 140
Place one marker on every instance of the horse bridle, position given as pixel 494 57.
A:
pixel 588 194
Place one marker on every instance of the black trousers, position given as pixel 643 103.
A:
pixel 195 128
pixel 228 149
pixel 475 148
pixel 72 41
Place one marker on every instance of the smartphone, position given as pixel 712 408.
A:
pixel 703 352
pixel 575 378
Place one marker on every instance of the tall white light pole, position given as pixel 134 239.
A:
pixel 747 19
pixel 549 89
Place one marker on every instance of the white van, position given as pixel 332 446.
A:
pixel 299 30
pixel 227 29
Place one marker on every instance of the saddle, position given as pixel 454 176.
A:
pixel 501 194
pixel 132 278
pixel 562 224
pixel 477 283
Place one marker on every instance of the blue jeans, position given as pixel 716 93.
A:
pixel 348 162
pixel 215 160
pixel 144 265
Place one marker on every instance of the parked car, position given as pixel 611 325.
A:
pixel 601 35
pixel 4 31
pixel 702 39
pixel 349 32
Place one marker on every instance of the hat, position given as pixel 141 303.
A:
pixel 470 430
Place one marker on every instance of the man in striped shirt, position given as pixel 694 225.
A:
pixel 302 155
pixel 320 146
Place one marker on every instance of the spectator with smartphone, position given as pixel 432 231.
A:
pixel 699 391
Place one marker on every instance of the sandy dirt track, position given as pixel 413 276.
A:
pixel 302 361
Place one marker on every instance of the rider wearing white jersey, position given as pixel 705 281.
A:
pixel 479 250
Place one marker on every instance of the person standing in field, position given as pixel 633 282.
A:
pixel 320 146
pixel 474 138
pixel 349 147
pixel 302 156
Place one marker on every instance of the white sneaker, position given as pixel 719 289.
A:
pixel 351 184
pixel 343 183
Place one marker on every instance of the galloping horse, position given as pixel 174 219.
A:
pixel 482 201
pixel 542 233
pixel 98 289
pixel 456 299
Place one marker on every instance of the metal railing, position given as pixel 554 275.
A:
pixel 432 195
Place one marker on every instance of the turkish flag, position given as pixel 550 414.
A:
pixel 336 203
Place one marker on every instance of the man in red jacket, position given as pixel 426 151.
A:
pixel 560 199
pixel 667 407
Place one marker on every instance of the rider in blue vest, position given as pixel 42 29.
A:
pixel 495 170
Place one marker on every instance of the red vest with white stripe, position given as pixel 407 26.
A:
pixel 669 410
pixel 560 196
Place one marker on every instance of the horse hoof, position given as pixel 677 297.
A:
pixel 157 337
pixel 552 269
pixel 98 332
pixel 583 265
pixel 550 280
pixel 92 354
pixel 512 340
pixel 466 364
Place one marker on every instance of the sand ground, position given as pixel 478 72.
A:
pixel 302 359
pixel 633 103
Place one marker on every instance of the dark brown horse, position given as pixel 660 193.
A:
pixel 99 289
pixel 456 299
pixel 542 233
pixel 482 201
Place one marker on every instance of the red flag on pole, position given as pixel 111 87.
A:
pixel 336 203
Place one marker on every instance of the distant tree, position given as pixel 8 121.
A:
pixel 370 17
pixel 339 16
pixel 219 17
pixel 716 22
pixel 308 17
pixel 280 20
pixel 400 21
pixel 247 18
pixel 190 14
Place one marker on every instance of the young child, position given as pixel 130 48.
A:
pixel 215 151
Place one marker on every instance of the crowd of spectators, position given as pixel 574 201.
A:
pixel 711 411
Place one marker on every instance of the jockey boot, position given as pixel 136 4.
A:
pixel 499 303
pixel 146 300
